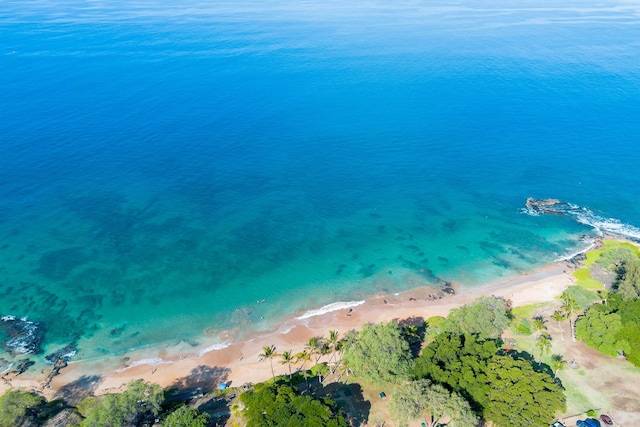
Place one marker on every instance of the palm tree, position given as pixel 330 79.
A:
pixel 537 326
pixel 605 294
pixel 544 344
pixel 559 316
pixel 269 352
pixel 315 346
pixel 333 343
pixel 303 357
pixel 570 306
pixel 287 358
pixel 557 363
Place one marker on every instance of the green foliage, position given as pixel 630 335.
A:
pixel 492 383
pixel 520 396
pixel 543 344
pixel 630 332
pixel 432 325
pixel 612 254
pixel 522 328
pixel 460 362
pixel 599 330
pixel 275 404
pixel 557 363
pixel 16 405
pixel 269 352
pixel 185 416
pixel 380 354
pixel 583 297
pixel 613 327
pixel 486 316
pixel 139 400
pixel 422 399
pixel 629 284
pixel 320 370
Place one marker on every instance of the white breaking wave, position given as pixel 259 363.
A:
pixel 599 223
pixel 28 338
pixel 575 254
pixel 329 308
pixel 151 362
pixel 607 225
pixel 214 347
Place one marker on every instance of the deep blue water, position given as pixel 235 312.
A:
pixel 164 167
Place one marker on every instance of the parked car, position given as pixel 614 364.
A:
pixel 557 424
pixel 592 422
pixel 606 419
pixel 581 423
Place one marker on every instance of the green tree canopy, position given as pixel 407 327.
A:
pixel 613 256
pixel 628 286
pixel 520 396
pixel 430 402
pixel 379 354
pixel 278 405
pixel 486 316
pixel 600 331
pixel 185 416
pixel 460 362
pixel 138 401
pixel 613 327
pixel 16 405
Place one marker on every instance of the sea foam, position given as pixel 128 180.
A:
pixel 214 347
pixel 151 362
pixel 599 223
pixel 329 308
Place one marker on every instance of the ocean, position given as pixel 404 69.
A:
pixel 179 175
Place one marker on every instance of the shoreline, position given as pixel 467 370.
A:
pixel 239 363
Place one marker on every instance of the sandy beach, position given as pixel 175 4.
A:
pixel 240 362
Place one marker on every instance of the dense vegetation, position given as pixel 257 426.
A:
pixel 277 404
pixel 140 401
pixel 486 316
pixel 431 402
pixel 379 354
pixel 612 326
pixel 493 381
pixel 17 407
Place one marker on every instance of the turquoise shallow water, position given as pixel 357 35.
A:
pixel 165 167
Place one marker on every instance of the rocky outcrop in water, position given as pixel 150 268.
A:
pixel 23 336
pixel 22 367
pixel 66 353
pixel 547 206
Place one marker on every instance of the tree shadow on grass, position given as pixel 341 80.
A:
pixel 77 390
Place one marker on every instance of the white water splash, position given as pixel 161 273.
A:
pixel 214 347
pixel 605 225
pixel 24 343
pixel 329 308
pixel 151 362
pixel 599 223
